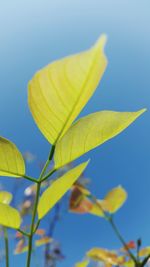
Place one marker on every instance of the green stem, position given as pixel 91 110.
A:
pixel 110 220
pixel 36 226
pixel 6 246
pixel 145 260
pixel 121 239
pixel 48 175
pixel 32 225
pixel 22 232
pixel 32 229
pixel 30 178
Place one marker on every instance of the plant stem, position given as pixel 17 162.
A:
pixel 121 239
pixel 110 220
pixel 32 226
pixel 30 178
pixel 48 175
pixel 23 232
pixel 6 246
pixel 145 260
pixel 32 229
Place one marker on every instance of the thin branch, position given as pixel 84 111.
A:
pixel 30 178
pixel 24 233
pixel 36 204
pixel 6 246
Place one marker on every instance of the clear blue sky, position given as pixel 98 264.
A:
pixel 35 32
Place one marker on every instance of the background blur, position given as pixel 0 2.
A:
pixel 33 33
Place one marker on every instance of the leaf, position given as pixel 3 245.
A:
pixel 58 92
pixel 20 246
pixel 96 208
pixel 111 203
pixel 129 263
pixel 58 188
pixel 83 263
pixel 144 252
pixel 79 203
pixel 106 256
pixel 11 160
pixel 9 216
pixel 115 199
pixel 42 241
pixel 5 197
pixel 40 232
pixel 90 132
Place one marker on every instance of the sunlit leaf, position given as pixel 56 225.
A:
pixel 42 241
pixel 21 247
pixel 115 199
pixel 82 189
pixel 129 263
pixel 58 188
pixel 83 263
pixel 11 160
pixel 97 208
pixel 79 203
pixel 40 232
pixel 144 252
pixel 58 92
pixel 106 256
pixel 90 132
pixel 5 197
pixel 9 216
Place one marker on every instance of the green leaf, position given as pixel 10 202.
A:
pixel 11 160
pixel 9 216
pixel 5 197
pixel 58 92
pixel 58 188
pixel 90 132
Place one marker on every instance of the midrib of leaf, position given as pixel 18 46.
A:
pixel 78 98
pixel 11 172
pixel 124 126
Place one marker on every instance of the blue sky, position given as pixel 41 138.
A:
pixel 32 34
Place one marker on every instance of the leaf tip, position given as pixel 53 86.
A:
pixel 101 42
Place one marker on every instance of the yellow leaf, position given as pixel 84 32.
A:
pixel 144 252
pixel 106 256
pixel 58 188
pixel 5 197
pixel 78 202
pixel 129 263
pixel 9 216
pixel 58 92
pixel 90 132
pixel 20 247
pixel 115 199
pixel 42 241
pixel 11 160
pixel 96 209
pixel 83 263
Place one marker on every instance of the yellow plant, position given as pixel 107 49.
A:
pixel 56 95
